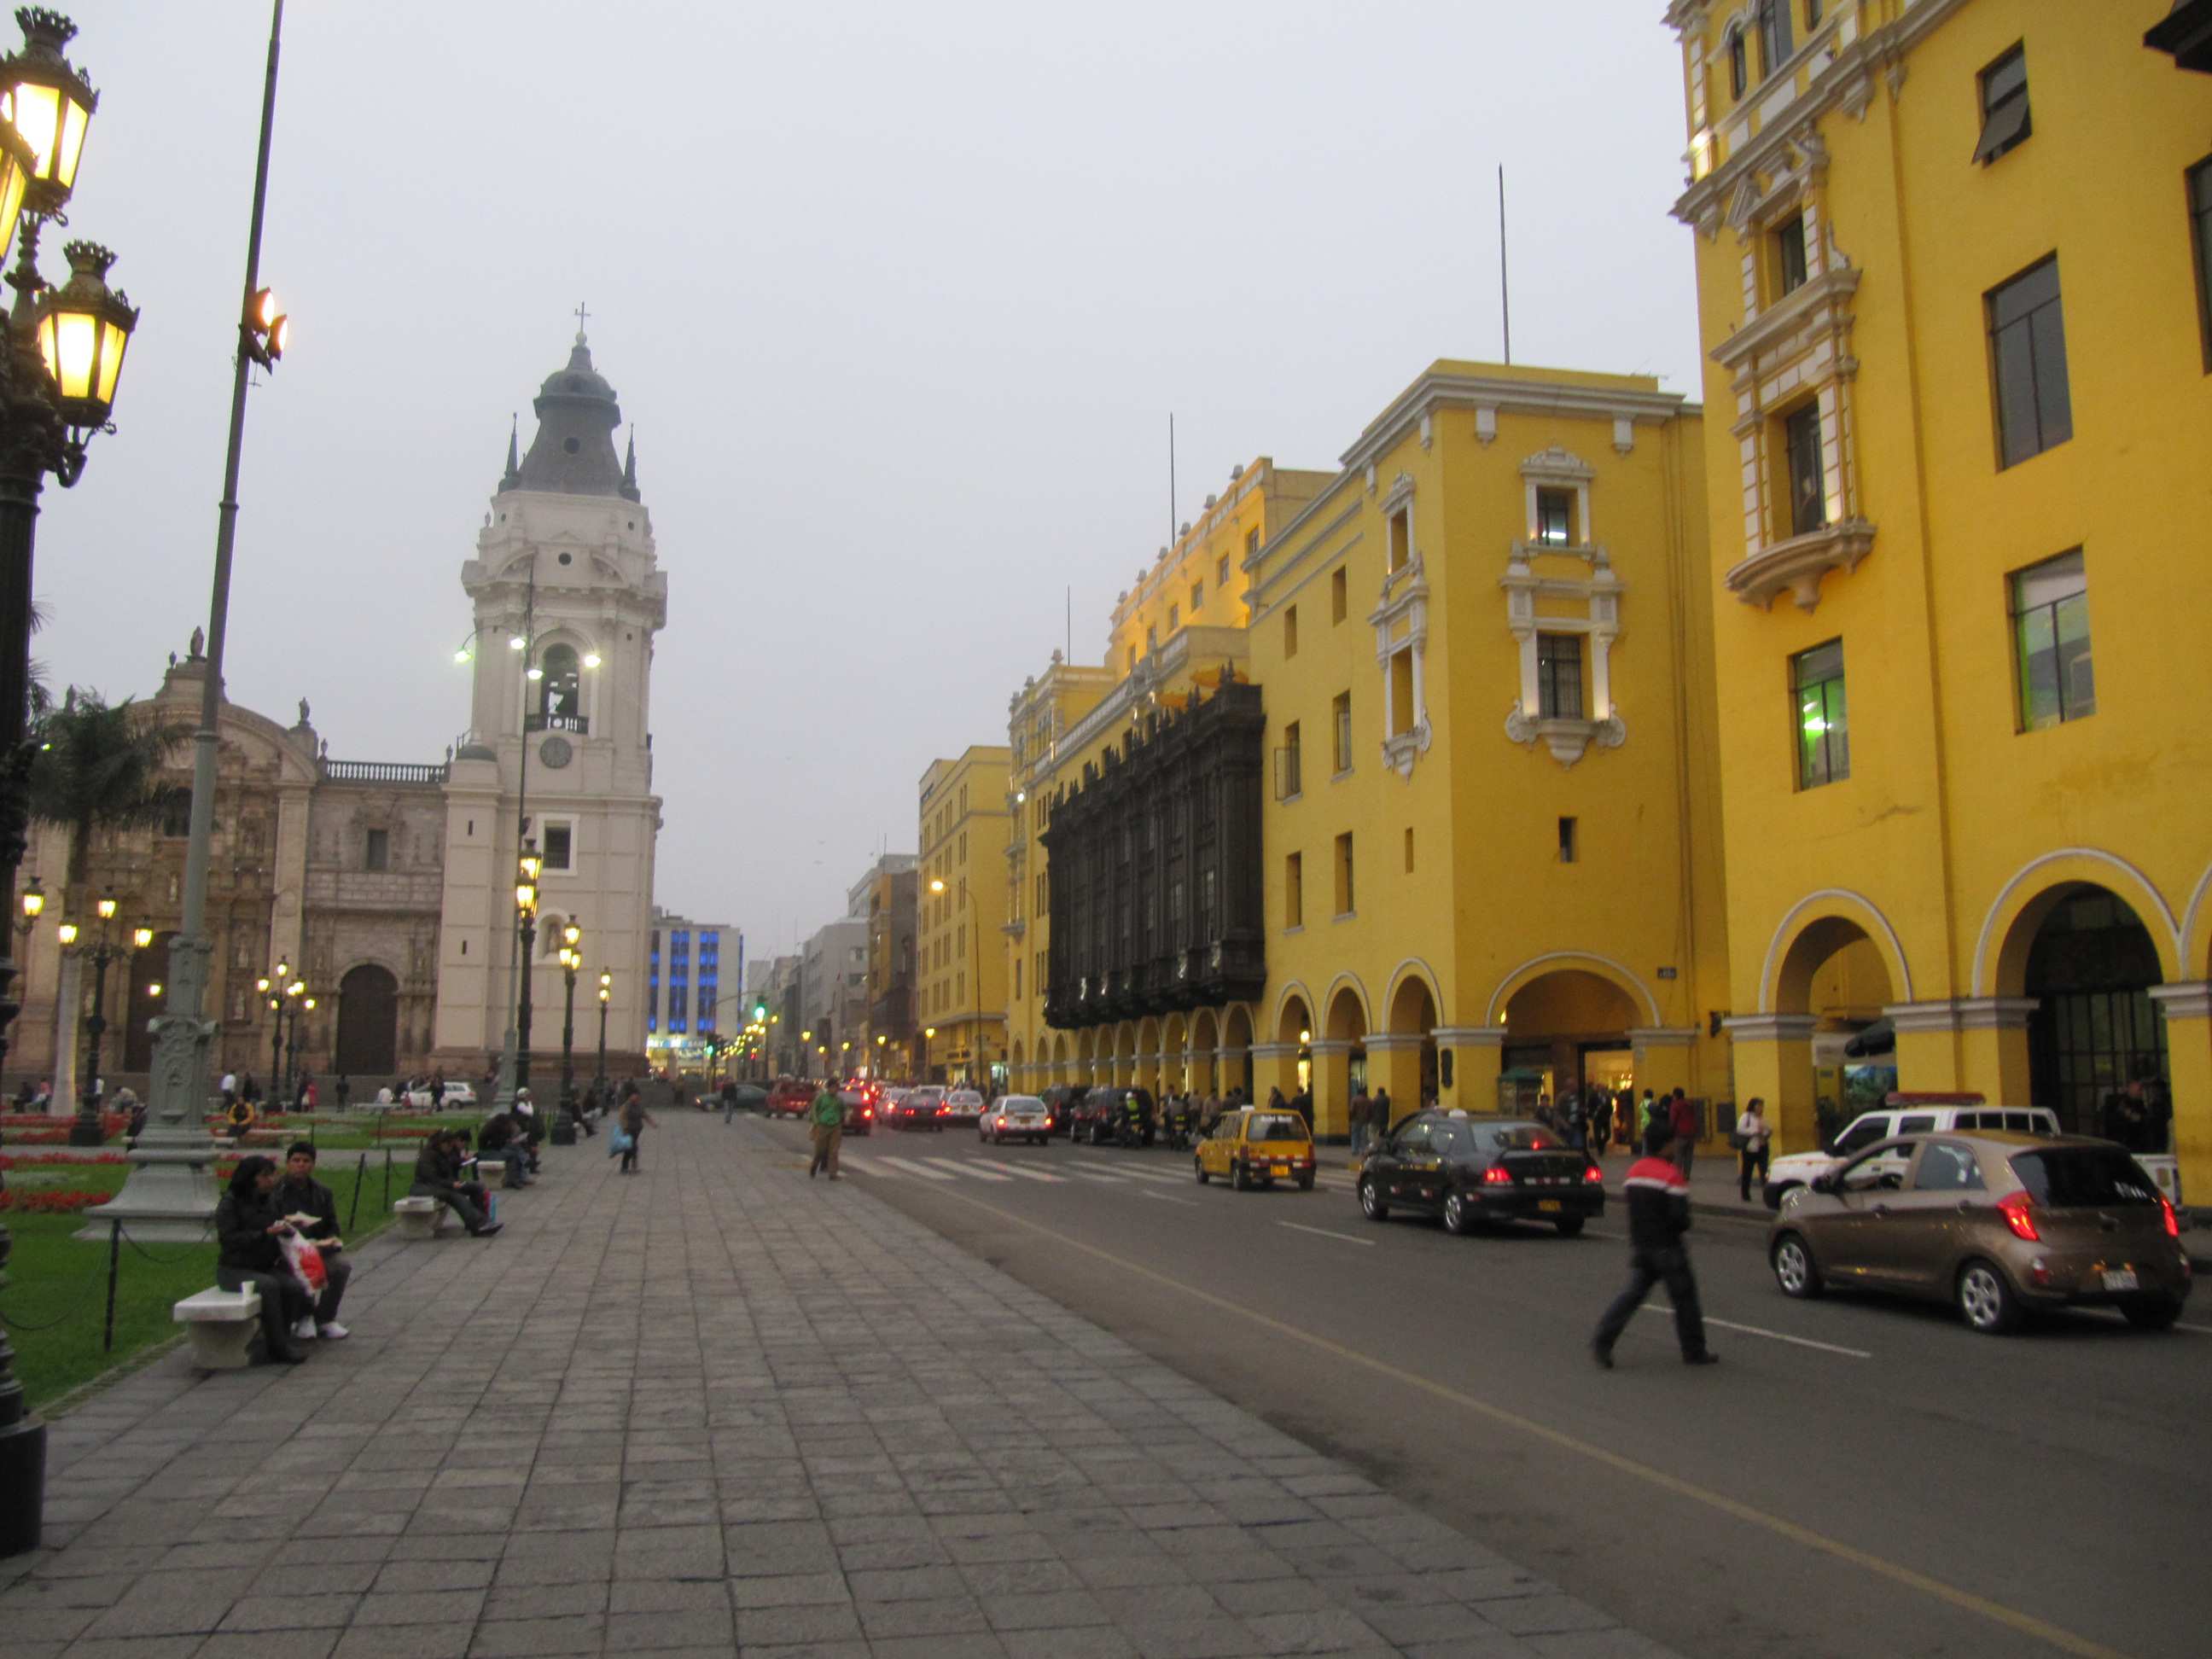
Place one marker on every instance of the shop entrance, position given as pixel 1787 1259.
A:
pixel 2095 1029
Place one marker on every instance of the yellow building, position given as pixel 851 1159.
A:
pixel 1952 286
pixel 1177 628
pixel 961 888
pixel 1491 823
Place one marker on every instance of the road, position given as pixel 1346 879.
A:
pixel 1856 1477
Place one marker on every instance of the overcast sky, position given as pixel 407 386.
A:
pixel 898 298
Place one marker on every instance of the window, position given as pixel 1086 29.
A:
pixel 2004 106
pixel 1566 841
pixel 1555 515
pixel 1409 850
pixel 1344 895
pixel 1560 676
pixel 559 692
pixel 1775 45
pixel 1294 890
pixel 1737 75
pixel 1221 571
pixel 1790 257
pixel 1288 767
pixel 1402 691
pixel 1197 596
pixel 1339 593
pixel 1800 449
pixel 560 846
pixel 1947 1167
pixel 176 813
pixel 2027 356
pixel 1017 978
pixel 2050 642
pixel 2200 227
pixel 1152 638
pixel 1175 618
pixel 1824 748
pixel 1340 720
pixel 377 856
pixel 1402 537
pixel 1291 632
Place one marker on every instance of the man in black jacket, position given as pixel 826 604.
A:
pixel 500 1141
pixel 1658 1198
pixel 299 1194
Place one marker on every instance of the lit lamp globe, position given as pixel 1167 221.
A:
pixel 142 937
pixel 35 900
pixel 83 327
pixel 50 106
pixel 17 163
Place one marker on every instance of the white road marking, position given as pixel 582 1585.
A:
pixel 1138 1172
pixel 1757 1330
pixel 973 1170
pixel 2200 1330
pixel 1323 1232
pixel 1094 1175
pixel 1168 1198
pixel 912 1167
pixel 1028 1174
pixel 869 1166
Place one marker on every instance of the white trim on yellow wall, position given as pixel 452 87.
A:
pixel 1506 986
pixel 1784 932
pixel 2093 855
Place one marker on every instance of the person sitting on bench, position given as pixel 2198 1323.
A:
pixel 300 1193
pixel 500 1141
pixel 247 1224
pixel 438 1175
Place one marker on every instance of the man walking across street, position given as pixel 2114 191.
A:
pixel 828 1116
pixel 1658 1194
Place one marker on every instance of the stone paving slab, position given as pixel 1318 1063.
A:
pixel 718 1407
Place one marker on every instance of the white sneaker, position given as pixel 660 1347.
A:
pixel 333 1332
pixel 304 1329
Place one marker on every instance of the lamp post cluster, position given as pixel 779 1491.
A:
pixel 606 995
pixel 99 951
pixel 528 868
pixel 289 999
pixel 572 958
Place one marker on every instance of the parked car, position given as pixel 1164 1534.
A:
pixel 921 1109
pixel 1471 1170
pixel 458 1092
pixel 1902 1114
pixel 1060 1101
pixel 790 1098
pixel 1088 1110
pixel 962 1106
pixel 1011 1117
pixel 1255 1146
pixel 859 1110
pixel 1105 1112
pixel 1999 1224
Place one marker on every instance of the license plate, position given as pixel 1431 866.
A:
pixel 1548 1204
pixel 2120 1279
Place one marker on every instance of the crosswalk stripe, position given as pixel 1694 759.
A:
pixel 1028 1174
pixel 1097 1176
pixel 868 1166
pixel 1138 1172
pixel 912 1167
pixel 974 1171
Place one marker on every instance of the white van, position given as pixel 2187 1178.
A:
pixel 1901 1116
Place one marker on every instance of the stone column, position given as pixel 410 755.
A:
pixel 1774 1060
pixel 1148 1073
pixel 1663 1055
pixel 1477 1054
pixel 2188 1010
pixel 1330 1088
pixel 1394 1062
pixel 1977 1045
pixel 1228 1070
pixel 1274 1065
pixel 1204 1073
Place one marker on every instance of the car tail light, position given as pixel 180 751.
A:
pixel 2015 1207
pixel 1593 1175
pixel 943 1111
pixel 2172 1221
pixel 1498 1175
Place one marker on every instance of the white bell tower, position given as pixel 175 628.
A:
pixel 568 595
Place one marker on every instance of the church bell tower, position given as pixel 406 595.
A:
pixel 566 594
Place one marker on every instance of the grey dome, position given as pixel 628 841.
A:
pixel 574 452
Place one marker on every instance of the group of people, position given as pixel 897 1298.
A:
pixel 262 1205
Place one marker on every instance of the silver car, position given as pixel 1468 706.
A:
pixel 1015 1117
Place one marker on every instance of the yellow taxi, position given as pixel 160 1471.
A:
pixel 1255 1145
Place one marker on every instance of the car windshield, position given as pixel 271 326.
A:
pixel 1277 1126
pixel 1522 1138
pixel 966 1096
pixel 1021 1103
pixel 2064 1177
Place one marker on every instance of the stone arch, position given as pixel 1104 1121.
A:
pixel 1175 1053
pixel 1014 1068
pixel 1293 1012
pixel 1861 915
pixel 1402 1010
pixel 2196 928
pixel 1621 977
pixel 1237 1029
pixel 2026 902
pixel 1204 1029
pixel 1346 1014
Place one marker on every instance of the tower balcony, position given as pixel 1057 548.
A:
pixel 580 724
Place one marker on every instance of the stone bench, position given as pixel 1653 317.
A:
pixel 421 1218
pixel 222 1325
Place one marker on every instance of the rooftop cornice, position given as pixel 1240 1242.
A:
pixel 1801 306
pixel 1508 394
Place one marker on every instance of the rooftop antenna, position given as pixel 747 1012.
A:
pixel 1504 290
pixel 1070 658
pixel 1171 480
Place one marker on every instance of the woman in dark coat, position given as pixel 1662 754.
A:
pixel 247 1224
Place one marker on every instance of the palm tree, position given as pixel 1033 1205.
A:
pixel 96 767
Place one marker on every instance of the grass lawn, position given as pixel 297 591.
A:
pixel 52 1276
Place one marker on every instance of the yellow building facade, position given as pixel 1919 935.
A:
pixel 1491 824
pixel 1173 633
pixel 960 894
pixel 1953 289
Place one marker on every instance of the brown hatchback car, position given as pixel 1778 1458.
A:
pixel 1999 1224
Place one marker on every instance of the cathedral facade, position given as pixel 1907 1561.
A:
pixel 387 888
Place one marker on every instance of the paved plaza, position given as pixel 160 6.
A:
pixel 717 1406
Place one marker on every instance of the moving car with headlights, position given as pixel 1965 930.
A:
pixel 1903 1114
pixel 2000 1225
pixel 1060 1101
pixel 859 1110
pixel 962 1106
pixel 919 1108
pixel 1255 1146
pixel 1474 1170
pixel 1015 1117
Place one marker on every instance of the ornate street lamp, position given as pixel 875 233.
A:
pixel 606 994
pixel 528 868
pixel 272 988
pixel 571 957
pixel 85 1132
pixel 35 905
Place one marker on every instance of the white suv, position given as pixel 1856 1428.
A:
pixel 962 1105
pixel 1802 1168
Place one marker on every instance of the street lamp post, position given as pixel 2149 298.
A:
pixel 35 905
pixel 525 905
pixel 572 957
pixel 271 987
pixel 85 1132
pixel 927 1032
pixel 606 994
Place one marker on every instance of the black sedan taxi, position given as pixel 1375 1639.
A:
pixel 1472 1170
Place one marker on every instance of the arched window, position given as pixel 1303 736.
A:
pixel 561 692
pixel 1736 67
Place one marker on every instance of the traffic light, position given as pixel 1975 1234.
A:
pixel 760 1011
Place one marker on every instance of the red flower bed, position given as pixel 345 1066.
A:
pixel 50 1202
pixel 73 1161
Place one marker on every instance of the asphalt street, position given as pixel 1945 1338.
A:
pixel 1856 1476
